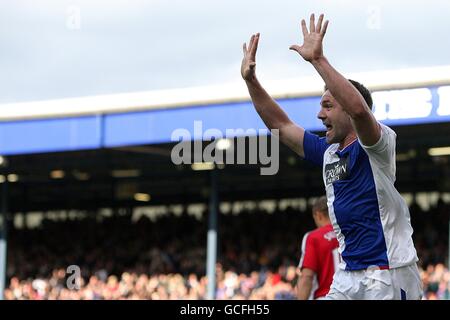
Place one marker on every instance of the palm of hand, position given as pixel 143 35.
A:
pixel 312 43
pixel 312 47
pixel 249 60
pixel 246 70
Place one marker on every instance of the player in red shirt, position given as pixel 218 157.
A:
pixel 320 256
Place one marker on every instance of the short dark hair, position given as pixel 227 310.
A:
pixel 362 90
pixel 320 205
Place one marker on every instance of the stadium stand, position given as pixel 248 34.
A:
pixel 123 258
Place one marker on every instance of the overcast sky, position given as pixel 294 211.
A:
pixel 67 48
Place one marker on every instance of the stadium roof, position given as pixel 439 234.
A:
pixel 204 96
pixel 101 160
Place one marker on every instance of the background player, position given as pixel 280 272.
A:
pixel 320 256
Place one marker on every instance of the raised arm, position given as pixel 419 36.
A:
pixel 363 120
pixel 270 112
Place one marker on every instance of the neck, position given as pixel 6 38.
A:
pixel 323 223
pixel 347 140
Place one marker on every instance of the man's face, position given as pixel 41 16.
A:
pixel 334 118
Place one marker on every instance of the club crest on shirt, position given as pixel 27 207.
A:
pixel 330 235
pixel 336 171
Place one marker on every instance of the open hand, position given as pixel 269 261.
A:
pixel 249 61
pixel 312 41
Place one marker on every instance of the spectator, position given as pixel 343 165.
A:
pixel 165 259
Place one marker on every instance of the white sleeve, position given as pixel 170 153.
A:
pixel 383 152
pixel 303 250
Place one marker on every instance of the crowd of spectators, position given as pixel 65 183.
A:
pixel 119 258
